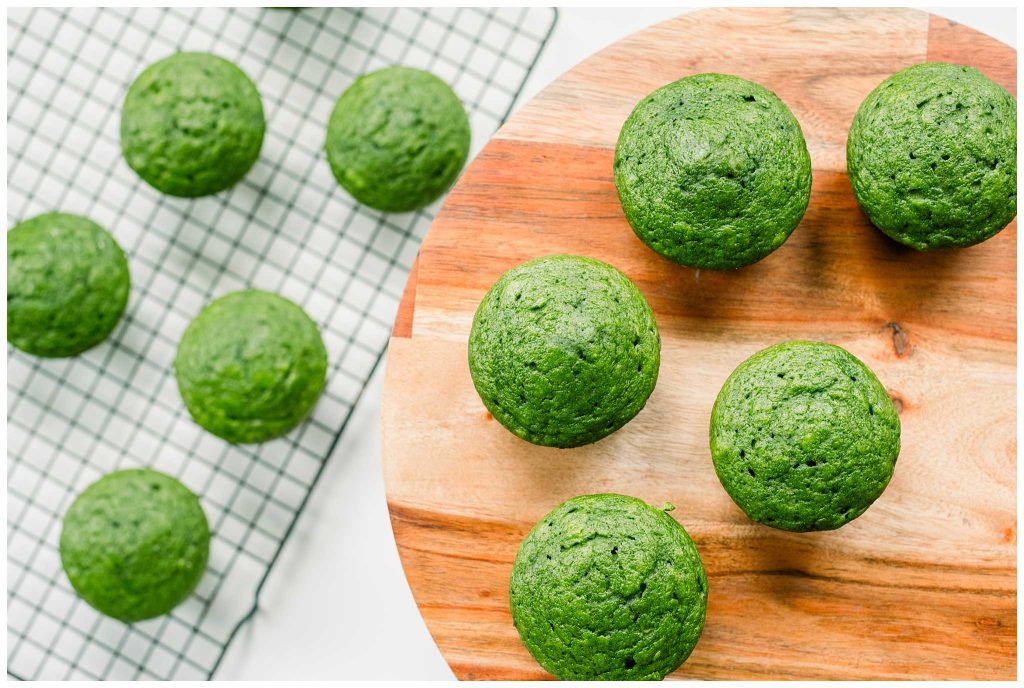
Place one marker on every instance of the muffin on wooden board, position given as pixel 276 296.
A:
pixel 608 587
pixel 712 171
pixel 564 350
pixel 932 156
pixel 804 436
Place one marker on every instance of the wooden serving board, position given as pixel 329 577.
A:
pixel 924 584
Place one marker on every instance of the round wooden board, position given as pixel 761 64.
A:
pixel 924 584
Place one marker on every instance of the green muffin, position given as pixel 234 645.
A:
pixel 804 436
pixel 135 544
pixel 397 139
pixel 932 156
pixel 607 587
pixel 67 284
pixel 192 125
pixel 251 366
pixel 564 350
pixel 712 171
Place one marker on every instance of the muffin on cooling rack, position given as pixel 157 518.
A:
pixel 712 171
pixel 397 139
pixel 608 587
pixel 192 125
pixel 135 544
pixel 251 366
pixel 932 156
pixel 804 436
pixel 564 350
pixel 67 284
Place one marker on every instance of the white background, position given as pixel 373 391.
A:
pixel 336 605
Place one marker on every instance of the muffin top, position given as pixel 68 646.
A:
pixel 251 366
pixel 397 139
pixel 932 156
pixel 135 544
pixel 192 124
pixel 804 436
pixel 712 171
pixel 67 284
pixel 607 587
pixel 564 350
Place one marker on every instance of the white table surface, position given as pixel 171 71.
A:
pixel 336 605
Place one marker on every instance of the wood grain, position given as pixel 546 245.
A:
pixel 924 584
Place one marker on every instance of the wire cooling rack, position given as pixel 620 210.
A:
pixel 287 228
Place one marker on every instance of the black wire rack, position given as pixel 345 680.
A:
pixel 287 227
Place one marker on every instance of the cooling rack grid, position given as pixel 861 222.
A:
pixel 287 227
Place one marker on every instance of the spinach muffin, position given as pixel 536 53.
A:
pixel 397 139
pixel 564 350
pixel 67 284
pixel 932 156
pixel 192 125
pixel 712 171
pixel 135 544
pixel 607 587
pixel 251 366
pixel 804 436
